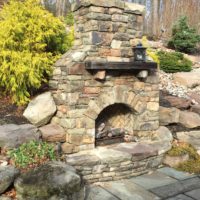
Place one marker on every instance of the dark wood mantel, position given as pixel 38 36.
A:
pixel 90 65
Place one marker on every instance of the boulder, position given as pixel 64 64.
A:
pixel 195 108
pixel 189 119
pixel 194 96
pixel 174 161
pixel 162 140
pixel 178 102
pixel 13 135
pixel 168 115
pixel 53 180
pixel 191 137
pixel 163 134
pixel 53 133
pixel 188 79
pixel 7 177
pixel 41 109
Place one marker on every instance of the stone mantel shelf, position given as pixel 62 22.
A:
pixel 133 65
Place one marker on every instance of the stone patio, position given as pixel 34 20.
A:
pixel 164 183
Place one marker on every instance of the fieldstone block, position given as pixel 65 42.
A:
pixel 115 11
pixel 82 159
pixel 97 9
pixel 119 18
pixel 68 148
pixel 98 16
pixel 121 36
pixel 103 3
pixel 97 38
pixel 41 109
pixel 153 106
pixel 77 69
pixel 53 133
pixel 134 8
pixel 78 56
pixel 67 123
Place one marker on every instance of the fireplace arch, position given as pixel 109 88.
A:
pixel 114 124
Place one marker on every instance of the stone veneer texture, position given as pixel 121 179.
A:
pixel 105 31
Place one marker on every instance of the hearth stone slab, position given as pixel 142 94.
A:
pixel 138 151
pixel 117 162
pixel 110 156
pixel 126 190
pixel 83 159
pixel 175 174
pixel 150 181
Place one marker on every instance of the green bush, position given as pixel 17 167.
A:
pixel 184 38
pixel 31 40
pixel 172 62
pixel 32 154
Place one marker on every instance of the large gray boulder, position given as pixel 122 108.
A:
pixel 12 135
pixel 41 109
pixel 7 177
pixel 162 139
pixel 189 119
pixel 168 115
pixel 188 79
pixel 54 180
pixel 191 137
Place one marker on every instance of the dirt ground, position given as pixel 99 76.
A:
pixel 10 113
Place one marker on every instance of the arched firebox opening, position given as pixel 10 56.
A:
pixel 114 124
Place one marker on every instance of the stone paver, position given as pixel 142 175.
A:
pixel 98 193
pixel 177 188
pixel 195 194
pixel 180 197
pixel 162 184
pixel 125 190
pixel 150 181
pixel 175 174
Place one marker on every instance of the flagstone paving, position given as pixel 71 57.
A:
pixel 163 184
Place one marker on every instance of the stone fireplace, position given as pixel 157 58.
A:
pixel 100 97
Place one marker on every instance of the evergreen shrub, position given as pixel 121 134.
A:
pixel 172 62
pixel 184 38
pixel 31 40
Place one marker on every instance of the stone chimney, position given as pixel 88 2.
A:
pixel 105 32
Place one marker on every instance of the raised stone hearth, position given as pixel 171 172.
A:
pixel 94 100
pixel 116 162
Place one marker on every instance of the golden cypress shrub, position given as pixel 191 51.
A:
pixel 31 39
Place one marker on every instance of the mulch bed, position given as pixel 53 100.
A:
pixel 10 113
